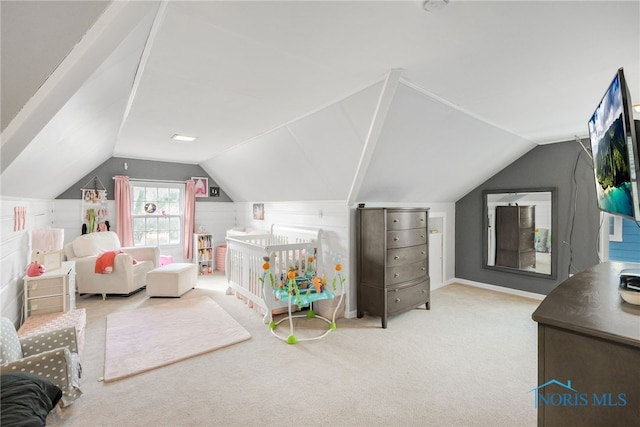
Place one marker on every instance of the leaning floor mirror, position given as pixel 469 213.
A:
pixel 519 227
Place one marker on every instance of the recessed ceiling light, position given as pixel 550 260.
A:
pixel 179 137
pixel 434 5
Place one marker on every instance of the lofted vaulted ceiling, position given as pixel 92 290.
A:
pixel 304 100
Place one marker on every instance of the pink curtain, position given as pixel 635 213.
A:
pixel 189 218
pixel 124 225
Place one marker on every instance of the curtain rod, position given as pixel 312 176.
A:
pixel 154 180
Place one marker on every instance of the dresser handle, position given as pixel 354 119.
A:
pixel 422 253
pixel 396 257
pixel 397 299
pixel 422 236
pixel 396 239
pixel 424 291
pixel 396 220
pixel 422 269
pixel 396 275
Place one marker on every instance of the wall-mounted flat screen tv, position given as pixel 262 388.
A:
pixel 614 147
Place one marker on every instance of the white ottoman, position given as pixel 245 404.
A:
pixel 172 280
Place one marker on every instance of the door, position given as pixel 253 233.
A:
pixel 435 259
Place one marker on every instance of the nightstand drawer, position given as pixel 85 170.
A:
pixel 402 256
pixel 404 238
pixel 405 220
pixel 45 305
pixel 44 287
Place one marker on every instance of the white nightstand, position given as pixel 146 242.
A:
pixel 51 292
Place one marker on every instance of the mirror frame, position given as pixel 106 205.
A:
pixel 554 228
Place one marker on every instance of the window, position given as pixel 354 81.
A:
pixel 157 212
pixel 615 228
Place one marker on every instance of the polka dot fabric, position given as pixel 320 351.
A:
pixel 48 322
pixel 52 355
pixel 49 340
pixel 10 348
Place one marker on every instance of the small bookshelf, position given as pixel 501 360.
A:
pixel 203 253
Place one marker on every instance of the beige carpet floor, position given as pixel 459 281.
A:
pixel 469 361
pixel 148 338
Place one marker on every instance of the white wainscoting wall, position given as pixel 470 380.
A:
pixel 14 255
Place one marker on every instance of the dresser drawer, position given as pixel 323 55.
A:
pixel 398 220
pixel 402 299
pixel 43 287
pixel 402 256
pixel 527 216
pixel 404 238
pixel 45 305
pixel 407 272
pixel 527 239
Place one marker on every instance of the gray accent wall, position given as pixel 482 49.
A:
pixel 141 169
pixel 562 165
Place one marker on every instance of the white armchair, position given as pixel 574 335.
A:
pixel 126 276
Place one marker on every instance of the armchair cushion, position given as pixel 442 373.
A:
pixel 26 399
pixel 94 244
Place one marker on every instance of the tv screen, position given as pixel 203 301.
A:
pixel 615 151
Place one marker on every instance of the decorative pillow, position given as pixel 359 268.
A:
pixel 27 399
pixel 93 244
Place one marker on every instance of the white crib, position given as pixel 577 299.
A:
pixel 286 246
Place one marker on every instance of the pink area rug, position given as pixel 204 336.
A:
pixel 147 338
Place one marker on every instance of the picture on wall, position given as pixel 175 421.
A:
pixel 50 260
pixel 202 184
pixel 214 191
pixel 258 211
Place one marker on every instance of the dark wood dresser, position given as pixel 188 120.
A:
pixel 515 236
pixel 590 337
pixel 393 260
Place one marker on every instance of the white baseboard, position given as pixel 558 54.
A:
pixel 496 288
pixel 441 285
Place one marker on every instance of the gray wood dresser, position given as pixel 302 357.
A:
pixel 588 352
pixel 393 260
pixel 515 236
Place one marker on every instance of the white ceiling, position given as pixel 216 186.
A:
pixel 298 84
